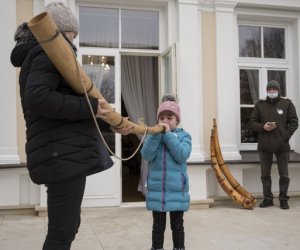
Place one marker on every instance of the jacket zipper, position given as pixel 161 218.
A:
pixel 164 177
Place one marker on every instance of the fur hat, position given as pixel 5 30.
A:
pixel 64 18
pixel 23 34
pixel 273 84
pixel 171 106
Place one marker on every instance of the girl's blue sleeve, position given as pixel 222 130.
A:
pixel 150 146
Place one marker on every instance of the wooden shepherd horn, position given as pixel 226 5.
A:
pixel 62 56
pixel 235 184
pixel 229 190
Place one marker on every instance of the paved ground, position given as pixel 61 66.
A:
pixel 218 228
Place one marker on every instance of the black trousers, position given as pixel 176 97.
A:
pixel 159 226
pixel 64 207
pixel 266 159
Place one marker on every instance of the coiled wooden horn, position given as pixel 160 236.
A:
pixel 62 56
pixel 227 187
pixel 234 183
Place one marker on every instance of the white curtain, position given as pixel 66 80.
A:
pixel 139 77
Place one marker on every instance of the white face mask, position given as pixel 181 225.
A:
pixel 272 94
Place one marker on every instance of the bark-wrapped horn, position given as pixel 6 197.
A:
pixel 62 56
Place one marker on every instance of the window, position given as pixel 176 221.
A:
pixel 252 37
pixel 100 70
pixel 139 29
pixel 99 27
pixel 262 57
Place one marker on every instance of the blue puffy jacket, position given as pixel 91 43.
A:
pixel 167 183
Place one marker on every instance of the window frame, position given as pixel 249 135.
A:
pixel 263 65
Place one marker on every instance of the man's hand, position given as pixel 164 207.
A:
pixel 269 126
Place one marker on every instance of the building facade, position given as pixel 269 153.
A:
pixel 215 55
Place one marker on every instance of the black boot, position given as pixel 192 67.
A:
pixel 266 203
pixel 284 204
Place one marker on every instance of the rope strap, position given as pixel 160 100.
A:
pixel 47 40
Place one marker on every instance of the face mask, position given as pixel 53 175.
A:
pixel 272 94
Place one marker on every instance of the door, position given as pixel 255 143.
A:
pixel 139 80
pixel 102 67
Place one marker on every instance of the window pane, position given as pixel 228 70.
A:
pixel 280 76
pixel 247 134
pixel 101 70
pixel 274 41
pixel 168 73
pixel 249 41
pixel 99 27
pixel 139 29
pixel 249 86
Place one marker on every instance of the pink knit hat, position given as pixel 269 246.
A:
pixel 169 106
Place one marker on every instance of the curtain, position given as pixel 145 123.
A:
pixel 139 77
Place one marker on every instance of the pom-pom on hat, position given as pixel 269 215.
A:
pixel 168 97
pixel 63 17
pixel 273 84
pixel 171 106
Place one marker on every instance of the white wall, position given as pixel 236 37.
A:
pixel 8 128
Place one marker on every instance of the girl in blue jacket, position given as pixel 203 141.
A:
pixel 167 183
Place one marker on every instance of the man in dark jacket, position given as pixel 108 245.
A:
pixel 63 146
pixel 276 120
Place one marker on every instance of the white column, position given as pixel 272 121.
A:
pixel 8 125
pixel 296 100
pixel 190 81
pixel 227 85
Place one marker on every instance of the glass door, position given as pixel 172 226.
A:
pixel 102 67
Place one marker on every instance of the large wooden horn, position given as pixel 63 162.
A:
pixel 235 184
pixel 62 56
pixel 226 186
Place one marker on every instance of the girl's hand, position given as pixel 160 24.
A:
pixel 166 126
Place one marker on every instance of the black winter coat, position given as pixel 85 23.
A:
pixel 62 141
pixel 279 110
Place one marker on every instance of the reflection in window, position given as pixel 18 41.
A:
pixel 249 41
pixel 274 42
pixel 249 86
pixel 139 29
pixel 99 27
pixel 250 44
pixel 247 134
pixel 278 75
pixel 101 71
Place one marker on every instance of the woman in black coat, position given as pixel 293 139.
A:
pixel 63 146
